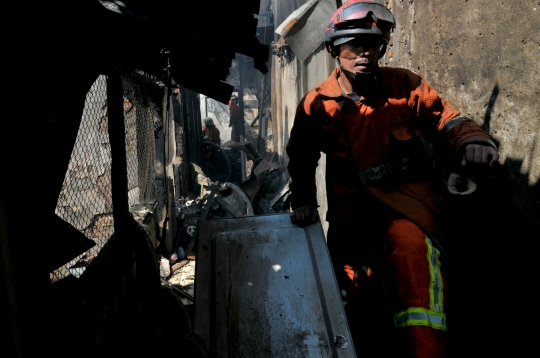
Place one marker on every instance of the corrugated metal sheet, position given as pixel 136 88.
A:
pixel 304 28
pixel 265 288
pixel 291 80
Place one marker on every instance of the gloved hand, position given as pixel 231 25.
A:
pixel 305 215
pixel 460 185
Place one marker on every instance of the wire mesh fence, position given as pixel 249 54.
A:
pixel 85 200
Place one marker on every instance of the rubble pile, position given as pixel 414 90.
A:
pixel 265 191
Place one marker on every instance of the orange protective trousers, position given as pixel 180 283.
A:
pixel 415 286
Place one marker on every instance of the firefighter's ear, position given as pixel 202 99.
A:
pixel 330 49
pixel 334 52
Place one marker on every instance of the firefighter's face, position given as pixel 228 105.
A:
pixel 360 54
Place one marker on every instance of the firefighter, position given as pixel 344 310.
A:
pixel 376 126
pixel 210 132
pixel 236 121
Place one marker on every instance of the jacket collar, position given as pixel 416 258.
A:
pixel 331 88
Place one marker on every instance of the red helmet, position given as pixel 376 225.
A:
pixel 358 17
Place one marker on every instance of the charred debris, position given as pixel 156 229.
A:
pixel 225 194
pixel 264 191
pixel 112 90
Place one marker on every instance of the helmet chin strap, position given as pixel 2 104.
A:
pixel 357 76
pixel 359 80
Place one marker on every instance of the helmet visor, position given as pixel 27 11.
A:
pixel 342 40
pixel 379 40
pixel 360 10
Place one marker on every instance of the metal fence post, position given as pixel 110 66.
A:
pixel 169 154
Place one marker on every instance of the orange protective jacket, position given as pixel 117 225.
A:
pixel 378 143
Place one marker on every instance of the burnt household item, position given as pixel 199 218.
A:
pixel 266 288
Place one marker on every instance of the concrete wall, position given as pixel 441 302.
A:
pixel 482 55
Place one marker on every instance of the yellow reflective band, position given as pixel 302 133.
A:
pixel 418 316
pixel 435 282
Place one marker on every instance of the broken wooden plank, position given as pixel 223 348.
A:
pixel 177 266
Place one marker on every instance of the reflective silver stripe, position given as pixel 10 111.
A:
pixel 448 125
pixel 434 316
pixel 417 316
pixel 388 169
pixel 436 285
pixel 379 172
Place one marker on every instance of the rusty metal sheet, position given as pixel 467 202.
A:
pixel 266 288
